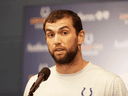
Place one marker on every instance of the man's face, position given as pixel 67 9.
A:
pixel 62 40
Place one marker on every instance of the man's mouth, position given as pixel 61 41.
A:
pixel 59 49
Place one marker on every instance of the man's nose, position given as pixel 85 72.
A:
pixel 57 39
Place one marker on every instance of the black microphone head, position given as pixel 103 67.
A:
pixel 45 72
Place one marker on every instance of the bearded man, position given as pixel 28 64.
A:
pixel 72 75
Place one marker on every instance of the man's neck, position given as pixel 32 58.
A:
pixel 76 65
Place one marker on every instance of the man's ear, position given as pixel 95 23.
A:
pixel 81 36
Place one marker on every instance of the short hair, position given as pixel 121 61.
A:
pixel 59 14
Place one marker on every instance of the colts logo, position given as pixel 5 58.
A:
pixel 82 93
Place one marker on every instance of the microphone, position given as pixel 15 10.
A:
pixel 42 76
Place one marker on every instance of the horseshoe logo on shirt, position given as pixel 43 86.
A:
pixel 82 94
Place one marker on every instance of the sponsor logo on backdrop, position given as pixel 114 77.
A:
pixel 38 21
pixel 126 21
pixel 88 47
pixel 124 17
pixel 38 47
pixel 121 44
pixel 41 65
pixel 45 11
pixel 99 15
pixel 38 26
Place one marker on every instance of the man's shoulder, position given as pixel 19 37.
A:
pixel 103 72
pixel 33 78
pixel 52 68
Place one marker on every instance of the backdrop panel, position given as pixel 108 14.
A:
pixel 106 38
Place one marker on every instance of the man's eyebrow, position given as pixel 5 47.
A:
pixel 59 28
pixel 48 30
pixel 64 27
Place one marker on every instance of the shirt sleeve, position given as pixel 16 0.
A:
pixel 118 87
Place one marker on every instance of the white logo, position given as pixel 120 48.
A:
pixel 120 45
pixel 99 15
pixel 102 15
pixel 44 12
pixel 90 52
pixel 126 21
pixel 41 65
pixel 37 47
pixel 88 48
pixel 88 38
pixel 38 26
pixel 86 17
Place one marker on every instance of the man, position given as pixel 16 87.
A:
pixel 71 75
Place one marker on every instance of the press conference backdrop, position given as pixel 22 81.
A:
pixel 106 37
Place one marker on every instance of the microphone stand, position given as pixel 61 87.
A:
pixel 33 89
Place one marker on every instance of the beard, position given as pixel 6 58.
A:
pixel 67 58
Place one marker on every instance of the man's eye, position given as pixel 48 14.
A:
pixel 50 35
pixel 64 33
